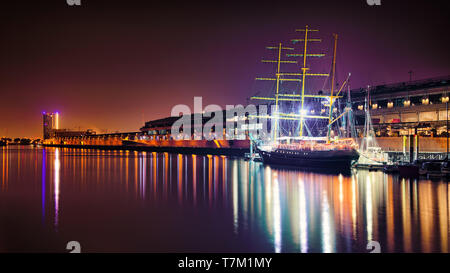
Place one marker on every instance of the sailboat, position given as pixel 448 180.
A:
pixel 307 147
pixel 371 154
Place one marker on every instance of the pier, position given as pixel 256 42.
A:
pixel 140 141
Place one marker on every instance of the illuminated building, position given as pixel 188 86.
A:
pixel 161 128
pixel 51 126
pixel 421 105
pixel 50 123
pixel 395 108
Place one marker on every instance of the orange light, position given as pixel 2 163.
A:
pixel 57 120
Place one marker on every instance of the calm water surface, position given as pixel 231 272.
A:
pixel 119 201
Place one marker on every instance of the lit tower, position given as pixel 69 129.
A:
pixel 50 124
pixel 57 120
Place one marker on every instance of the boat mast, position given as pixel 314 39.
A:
pixel 333 72
pixel 368 118
pixel 305 73
pixel 278 80
pixel 275 131
pixel 351 122
pixel 304 70
pixel 367 140
pixel 295 77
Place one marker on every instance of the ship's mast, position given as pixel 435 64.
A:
pixel 304 70
pixel 333 73
pixel 275 131
pixel 299 77
pixel 351 123
pixel 305 73
pixel 278 80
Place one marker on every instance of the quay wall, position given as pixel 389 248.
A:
pixel 116 141
pixel 388 144
pixel 181 150
pixel 426 144
pixel 213 147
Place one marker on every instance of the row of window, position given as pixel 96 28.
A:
pixel 406 102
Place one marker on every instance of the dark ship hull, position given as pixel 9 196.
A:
pixel 334 159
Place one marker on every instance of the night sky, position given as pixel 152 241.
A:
pixel 110 65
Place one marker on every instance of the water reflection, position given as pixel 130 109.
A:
pixel 5 168
pixel 56 169
pixel 43 180
pixel 256 207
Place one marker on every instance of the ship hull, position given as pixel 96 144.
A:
pixel 312 159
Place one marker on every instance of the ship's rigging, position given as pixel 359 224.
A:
pixel 298 113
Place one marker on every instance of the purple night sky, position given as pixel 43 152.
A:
pixel 114 64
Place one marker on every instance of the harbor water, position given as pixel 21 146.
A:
pixel 126 201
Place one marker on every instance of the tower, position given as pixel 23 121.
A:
pixel 50 124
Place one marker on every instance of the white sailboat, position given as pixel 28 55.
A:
pixel 371 154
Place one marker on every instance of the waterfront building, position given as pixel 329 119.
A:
pixel 51 128
pixel 397 109
pixel 161 128
pixel 406 108
pixel 50 124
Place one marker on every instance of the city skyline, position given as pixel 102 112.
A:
pixel 107 65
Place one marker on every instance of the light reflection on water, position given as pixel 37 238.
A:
pixel 147 201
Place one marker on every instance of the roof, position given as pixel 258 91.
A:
pixel 389 89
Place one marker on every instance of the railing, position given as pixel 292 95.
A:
pixel 400 156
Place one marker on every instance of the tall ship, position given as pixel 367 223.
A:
pixel 307 129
